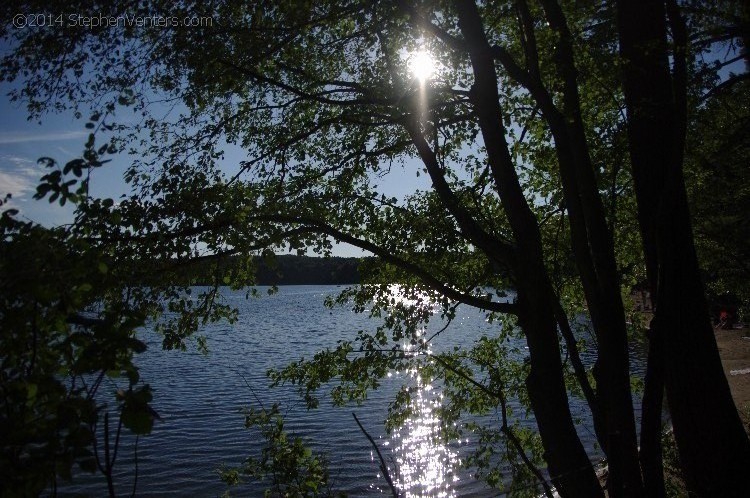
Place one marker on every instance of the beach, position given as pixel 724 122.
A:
pixel 734 348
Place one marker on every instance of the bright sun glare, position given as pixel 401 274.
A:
pixel 422 66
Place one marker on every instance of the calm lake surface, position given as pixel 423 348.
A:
pixel 200 400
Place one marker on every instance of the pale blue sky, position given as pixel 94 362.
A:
pixel 62 137
pixel 22 143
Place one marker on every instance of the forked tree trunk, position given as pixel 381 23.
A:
pixel 713 446
pixel 595 257
pixel 567 460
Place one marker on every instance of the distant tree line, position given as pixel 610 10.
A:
pixel 306 270
pixel 287 269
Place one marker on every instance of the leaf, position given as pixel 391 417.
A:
pixel 41 190
pixel 132 374
pixel 31 391
pixel 47 162
pixel 137 420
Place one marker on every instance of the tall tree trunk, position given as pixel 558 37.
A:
pixel 568 465
pixel 593 248
pixel 652 463
pixel 567 460
pixel 713 446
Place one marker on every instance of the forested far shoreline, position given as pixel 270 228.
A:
pixel 569 152
pixel 288 269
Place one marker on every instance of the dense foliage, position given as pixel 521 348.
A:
pixel 717 155
pixel 64 332
pixel 535 134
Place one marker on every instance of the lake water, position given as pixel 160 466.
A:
pixel 200 398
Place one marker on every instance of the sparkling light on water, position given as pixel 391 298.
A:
pixel 425 465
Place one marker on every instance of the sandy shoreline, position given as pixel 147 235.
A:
pixel 734 348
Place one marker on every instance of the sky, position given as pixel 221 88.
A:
pixel 62 137
pixel 59 136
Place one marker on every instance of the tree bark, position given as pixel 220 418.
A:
pixel 713 446
pixel 568 463
pixel 593 249
pixel 652 463
pixel 603 295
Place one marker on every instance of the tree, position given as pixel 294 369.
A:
pixel 521 133
pixel 70 308
pixel 716 152
pixel 64 332
pixel 657 103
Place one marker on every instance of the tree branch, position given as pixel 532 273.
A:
pixel 383 467
pixel 386 255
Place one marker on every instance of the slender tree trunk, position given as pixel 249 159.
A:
pixel 745 30
pixel 567 460
pixel 595 258
pixel 713 446
pixel 651 407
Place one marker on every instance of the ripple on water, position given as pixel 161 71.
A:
pixel 200 399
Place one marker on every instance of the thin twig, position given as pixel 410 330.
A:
pixel 135 477
pixel 383 467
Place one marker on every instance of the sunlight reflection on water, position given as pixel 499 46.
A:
pixel 424 465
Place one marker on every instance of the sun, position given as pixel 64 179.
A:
pixel 421 65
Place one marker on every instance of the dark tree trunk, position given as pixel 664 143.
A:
pixel 595 259
pixel 745 34
pixel 713 446
pixel 648 151
pixel 568 464
pixel 653 394
pixel 567 460
pixel 714 449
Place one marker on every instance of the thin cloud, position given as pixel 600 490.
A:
pixel 16 138
pixel 65 151
pixel 15 184
pixel 18 176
